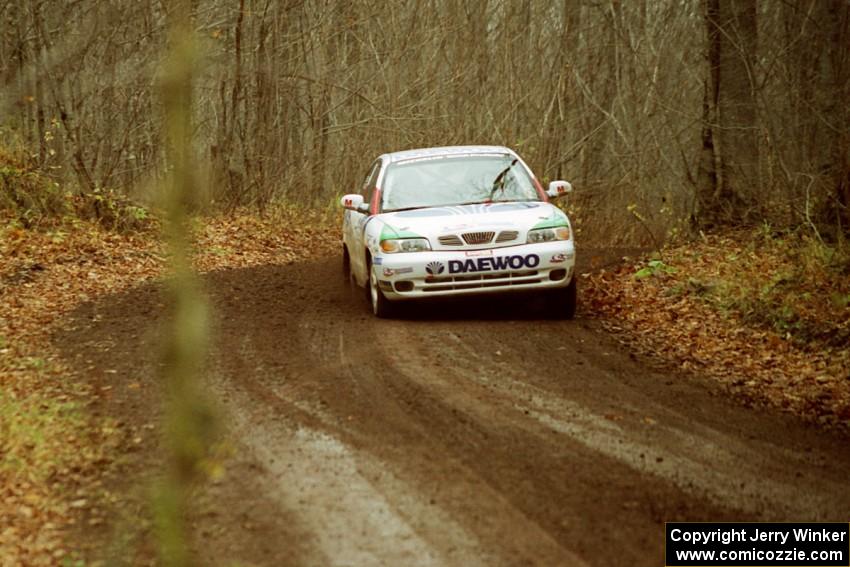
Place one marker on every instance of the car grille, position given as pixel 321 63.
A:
pixel 483 280
pixel 507 236
pixel 478 237
pixel 450 240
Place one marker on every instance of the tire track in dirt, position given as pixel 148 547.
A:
pixel 710 463
pixel 464 434
pixel 375 415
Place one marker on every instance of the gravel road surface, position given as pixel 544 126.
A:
pixel 478 434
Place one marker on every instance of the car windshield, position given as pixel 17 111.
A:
pixel 456 180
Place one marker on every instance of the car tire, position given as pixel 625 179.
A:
pixel 562 302
pixel 346 263
pixel 348 276
pixel 381 306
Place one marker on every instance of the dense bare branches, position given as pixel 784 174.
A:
pixel 295 96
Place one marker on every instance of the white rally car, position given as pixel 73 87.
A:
pixel 455 221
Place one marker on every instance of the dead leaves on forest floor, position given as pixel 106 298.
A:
pixel 53 449
pixel 768 316
pixel 766 319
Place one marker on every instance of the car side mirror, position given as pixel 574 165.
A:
pixel 351 202
pixel 559 189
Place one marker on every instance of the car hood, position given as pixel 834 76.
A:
pixel 433 222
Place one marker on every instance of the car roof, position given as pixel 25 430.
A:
pixel 444 151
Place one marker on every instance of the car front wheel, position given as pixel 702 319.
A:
pixel 346 265
pixel 381 306
pixel 562 302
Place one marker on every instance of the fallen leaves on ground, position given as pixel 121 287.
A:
pixel 768 316
pixel 763 321
pixel 53 449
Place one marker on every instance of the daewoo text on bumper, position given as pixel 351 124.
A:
pixel 496 270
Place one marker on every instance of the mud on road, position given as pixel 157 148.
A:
pixel 475 434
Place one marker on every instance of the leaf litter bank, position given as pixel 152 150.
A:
pixel 55 450
pixel 697 309
pixel 766 315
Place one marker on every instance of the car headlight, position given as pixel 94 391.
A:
pixel 549 234
pixel 393 245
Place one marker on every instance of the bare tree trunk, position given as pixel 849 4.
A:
pixel 729 163
pixel 566 97
pixel 837 113
pixel 40 69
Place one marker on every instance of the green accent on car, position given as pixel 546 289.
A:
pixel 554 221
pixel 389 233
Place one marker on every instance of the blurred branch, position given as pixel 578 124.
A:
pixel 188 422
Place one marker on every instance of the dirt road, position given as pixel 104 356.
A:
pixel 474 435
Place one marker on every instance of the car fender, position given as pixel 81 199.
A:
pixel 370 231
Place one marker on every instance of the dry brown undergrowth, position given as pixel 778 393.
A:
pixel 691 310
pixel 53 451
pixel 767 315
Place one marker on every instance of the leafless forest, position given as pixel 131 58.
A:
pixel 665 114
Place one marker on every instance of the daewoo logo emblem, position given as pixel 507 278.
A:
pixel 435 268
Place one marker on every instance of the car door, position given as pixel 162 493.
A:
pixel 357 225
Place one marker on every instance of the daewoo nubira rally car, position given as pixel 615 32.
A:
pixel 455 221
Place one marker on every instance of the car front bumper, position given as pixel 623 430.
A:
pixel 418 275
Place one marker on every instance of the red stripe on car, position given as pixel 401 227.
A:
pixel 540 190
pixel 376 200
